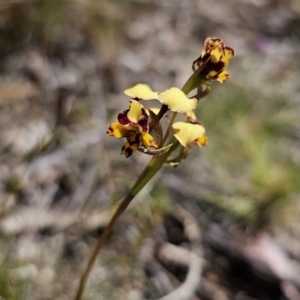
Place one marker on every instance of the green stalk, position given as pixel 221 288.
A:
pixel 195 80
pixel 153 167
pixel 168 130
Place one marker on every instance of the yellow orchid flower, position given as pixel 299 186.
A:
pixel 134 138
pixel 216 56
pixel 133 124
pixel 187 133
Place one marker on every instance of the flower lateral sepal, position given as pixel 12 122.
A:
pixel 155 152
pixel 118 130
pixel 147 140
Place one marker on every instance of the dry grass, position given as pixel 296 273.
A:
pixel 63 67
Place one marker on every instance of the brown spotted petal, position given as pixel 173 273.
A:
pixel 132 144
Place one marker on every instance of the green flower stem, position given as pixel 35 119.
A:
pixel 195 80
pixel 168 130
pixel 153 167
pixel 163 110
pixel 176 160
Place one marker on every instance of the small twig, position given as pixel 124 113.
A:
pixel 192 258
pixel 174 253
pixel 155 268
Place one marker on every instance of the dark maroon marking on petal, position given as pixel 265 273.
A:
pixel 216 76
pixel 122 117
pixel 144 112
pixel 208 66
pixel 216 39
pixel 136 140
pixel 143 122
pixel 218 67
pixel 201 59
pixel 109 130
pixel 133 139
pixel 129 151
pixel 230 49
pixel 207 46
pixel 137 126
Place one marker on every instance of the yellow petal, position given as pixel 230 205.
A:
pixel 176 100
pixel 211 43
pixel 222 76
pixel 187 133
pixel 148 140
pixel 228 54
pixel 136 111
pixel 141 91
pixel 215 55
pixel 202 141
pixel 117 130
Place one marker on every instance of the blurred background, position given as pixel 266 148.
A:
pixel 223 225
